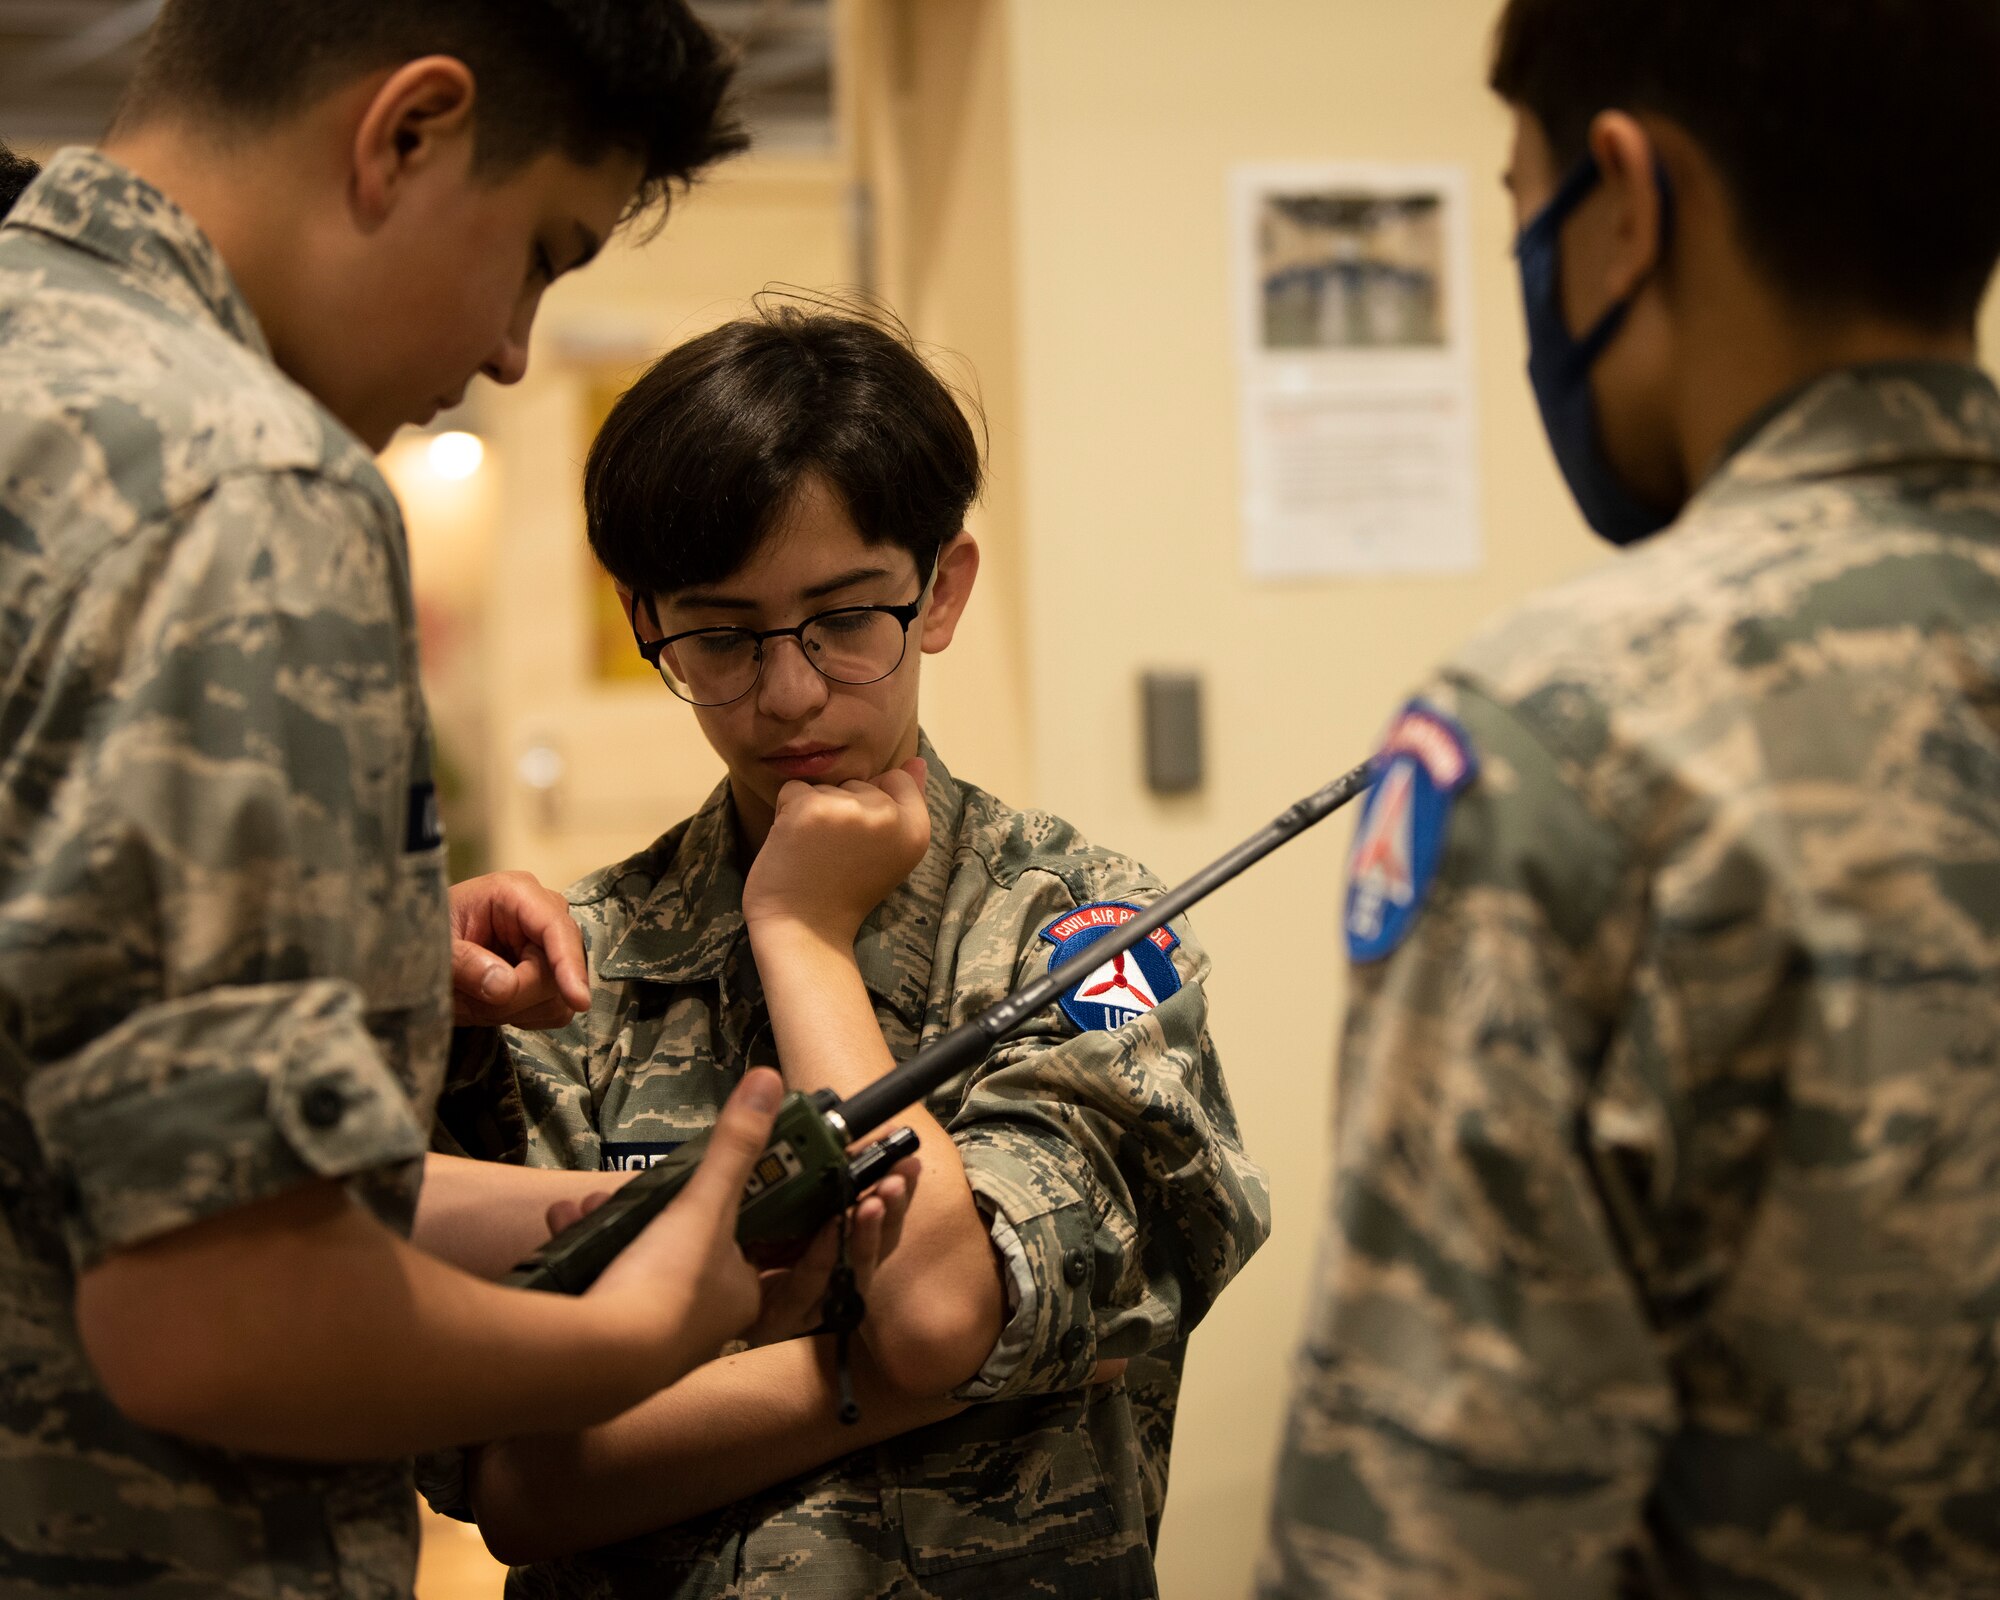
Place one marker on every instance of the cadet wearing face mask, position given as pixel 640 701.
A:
pixel 1662 1248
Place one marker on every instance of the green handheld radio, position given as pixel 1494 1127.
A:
pixel 805 1176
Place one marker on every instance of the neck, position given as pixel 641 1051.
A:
pixel 1761 358
pixel 753 822
pixel 235 197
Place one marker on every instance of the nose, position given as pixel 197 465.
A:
pixel 791 686
pixel 508 362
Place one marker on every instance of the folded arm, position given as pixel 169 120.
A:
pixel 487 1216
pixel 727 1430
pixel 936 1306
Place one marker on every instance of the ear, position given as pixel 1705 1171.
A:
pixel 417 119
pixel 1633 209
pixel 957 569
pixel 640 611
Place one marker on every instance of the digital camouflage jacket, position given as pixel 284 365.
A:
pixel 1664 1254
pixel 223 942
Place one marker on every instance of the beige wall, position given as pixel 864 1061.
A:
pixel 1128 115
pixel 934 149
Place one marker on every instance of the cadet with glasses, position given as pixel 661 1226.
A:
pixel 782 503
pixel 1662 1248
pixel 226 969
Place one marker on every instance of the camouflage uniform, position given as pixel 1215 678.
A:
pixel 1664 1255
pixel 1109 1160
pixel 223 946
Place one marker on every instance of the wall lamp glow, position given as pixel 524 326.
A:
pixel 456 455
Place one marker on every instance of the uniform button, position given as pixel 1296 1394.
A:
pixel 1076 1266
pixel 1073 1343
pixel 323 1105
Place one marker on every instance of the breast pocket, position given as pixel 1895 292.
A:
pixel 1011 1498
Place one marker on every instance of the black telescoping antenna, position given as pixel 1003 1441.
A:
pixel 807 1173
pixel 951 1053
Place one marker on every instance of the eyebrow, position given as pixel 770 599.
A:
pixel 700 601
pixel 847 580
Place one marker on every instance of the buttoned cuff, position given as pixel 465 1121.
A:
pixel 1017 1336
pixel 197 1106
pixel 1044 1230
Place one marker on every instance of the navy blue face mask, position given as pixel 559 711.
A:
pixel 1559 364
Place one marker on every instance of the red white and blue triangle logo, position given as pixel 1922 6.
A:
pixel 1424 763
pixel 1126 987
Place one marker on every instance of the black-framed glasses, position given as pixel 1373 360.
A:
pixel 716 666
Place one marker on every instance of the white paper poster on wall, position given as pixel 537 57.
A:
pixel 1354 341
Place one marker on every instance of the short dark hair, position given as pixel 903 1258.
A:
pixel 16 173
pixel 583 76
pixel 700 458
pixel 1859 139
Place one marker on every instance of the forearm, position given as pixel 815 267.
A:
pixel 302 1327
pixel 485 1216
pixel 935 1306
pixel 727 1430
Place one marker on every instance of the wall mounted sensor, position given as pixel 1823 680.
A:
pixel 1171 714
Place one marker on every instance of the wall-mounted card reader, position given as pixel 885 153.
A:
pixel 1171 714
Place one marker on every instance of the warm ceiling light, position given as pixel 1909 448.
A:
pixel 456 455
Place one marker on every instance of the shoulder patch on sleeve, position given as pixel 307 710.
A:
pixel 1423 764
pixel 1127 986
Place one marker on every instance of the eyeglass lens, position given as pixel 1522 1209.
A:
pixel 719 665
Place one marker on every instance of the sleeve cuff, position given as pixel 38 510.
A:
pixel 1017 1337
pixel 441 1480
pixel 1044 1231
pixel 480 1113
pixel 198 1106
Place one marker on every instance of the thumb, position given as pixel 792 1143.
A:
pixel 563 1215
pixel 736 1141
pixel 905 786
pixel 476 971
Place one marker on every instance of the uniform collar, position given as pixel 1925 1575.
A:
pixel 688 926
pixel 85 198
pixel 1865 419
pixel 693 915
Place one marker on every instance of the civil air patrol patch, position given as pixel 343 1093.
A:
pixel 1127 986
pixel 1423 764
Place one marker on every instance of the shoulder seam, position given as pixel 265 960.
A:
pixel 1465 683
